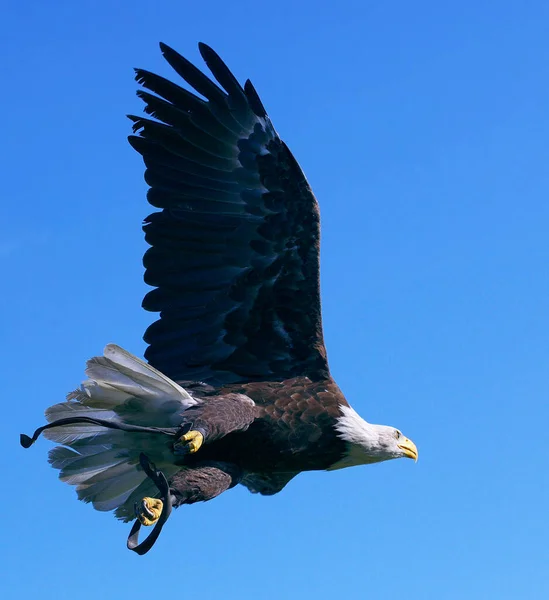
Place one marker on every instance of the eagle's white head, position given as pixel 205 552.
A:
pixel 368 443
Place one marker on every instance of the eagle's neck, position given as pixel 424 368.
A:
pixel 362 440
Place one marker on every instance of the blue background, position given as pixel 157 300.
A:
pixel 423 128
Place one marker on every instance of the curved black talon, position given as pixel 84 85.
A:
pixel 148 513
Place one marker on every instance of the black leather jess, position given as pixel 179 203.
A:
pixel 157 476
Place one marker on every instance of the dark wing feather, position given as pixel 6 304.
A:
pixel 234 251
pixel 266 484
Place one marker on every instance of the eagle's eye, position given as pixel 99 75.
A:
pixel 397 434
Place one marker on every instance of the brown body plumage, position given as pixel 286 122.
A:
pixel 292 428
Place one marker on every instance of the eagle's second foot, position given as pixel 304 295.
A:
pixel 189 443
pixel 148 510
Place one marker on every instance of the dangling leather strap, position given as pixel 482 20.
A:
pixel 27 441
pixel 161 483
pixel 149 467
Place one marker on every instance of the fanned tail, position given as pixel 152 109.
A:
pixel 103 463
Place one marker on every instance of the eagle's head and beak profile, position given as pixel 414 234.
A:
pixel 367 443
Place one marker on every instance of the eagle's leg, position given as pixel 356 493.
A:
pixel 209 421
pixel 189 443
pixel 203 482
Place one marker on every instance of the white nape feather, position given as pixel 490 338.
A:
pixel 366 443
pixel 104 463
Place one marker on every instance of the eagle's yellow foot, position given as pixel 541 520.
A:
pixel 189 443
pixel 148 510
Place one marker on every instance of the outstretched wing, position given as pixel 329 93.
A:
pixel 234 251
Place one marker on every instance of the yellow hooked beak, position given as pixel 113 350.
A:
pixel 409 448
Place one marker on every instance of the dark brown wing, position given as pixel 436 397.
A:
pixel 234 251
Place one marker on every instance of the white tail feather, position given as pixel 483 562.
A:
pixel 104 463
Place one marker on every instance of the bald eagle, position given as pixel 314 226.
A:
pixel 237 388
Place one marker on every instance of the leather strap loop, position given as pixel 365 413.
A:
pixel 161 483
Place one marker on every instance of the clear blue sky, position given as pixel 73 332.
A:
pixel 423 128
